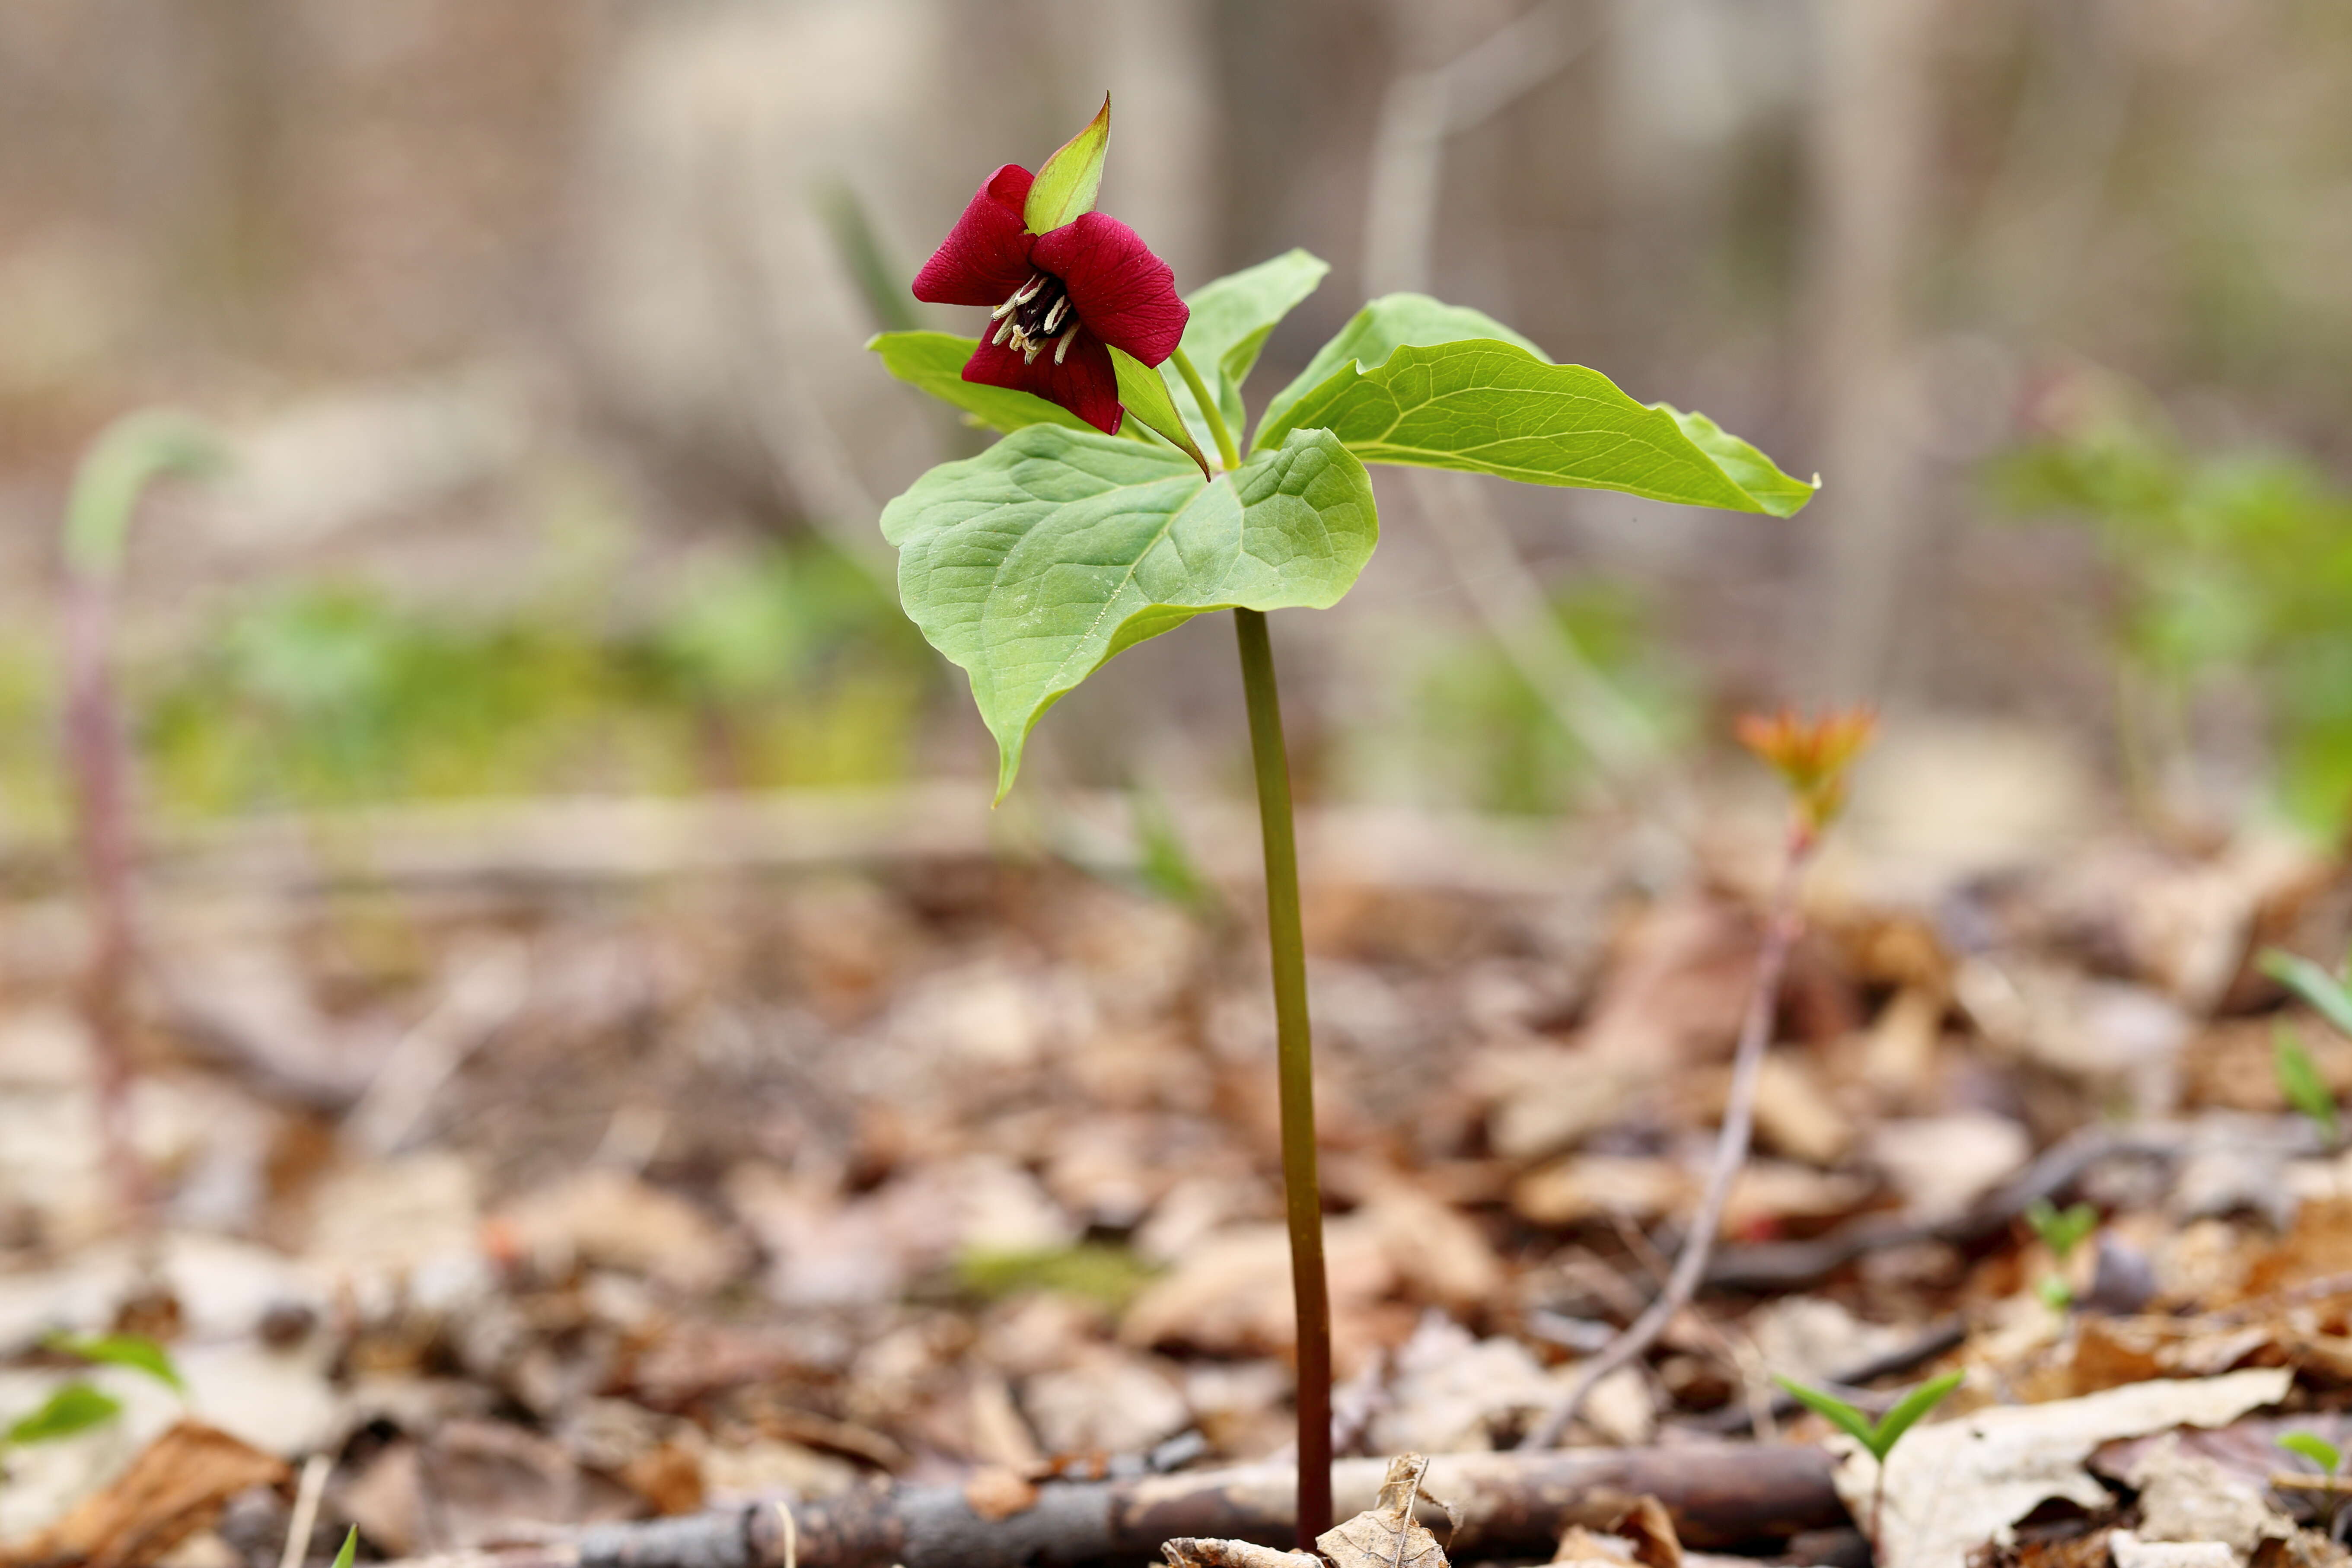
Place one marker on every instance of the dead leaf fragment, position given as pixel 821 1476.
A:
pixel 1386 1535
pixel 1651 1528
pixel 2187 1496
pixel 1579 1548
pixel 1952 1485
pixel 171 1491
pixel 2131 1552
pixel 999 1492
pixel 1200 1552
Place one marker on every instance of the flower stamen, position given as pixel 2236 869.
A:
pixel 1033 316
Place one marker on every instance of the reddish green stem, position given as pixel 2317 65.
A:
pixel 1301 1187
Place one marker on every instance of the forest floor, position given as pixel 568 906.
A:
pixel 552 1165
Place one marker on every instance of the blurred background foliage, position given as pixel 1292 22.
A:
pixel 447 269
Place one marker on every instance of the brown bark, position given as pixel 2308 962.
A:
pixel 1511 1505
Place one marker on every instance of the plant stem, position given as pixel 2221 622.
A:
pixel 1302 1189
pixel 1730 1152
pixel 1227 453
pixel 119 466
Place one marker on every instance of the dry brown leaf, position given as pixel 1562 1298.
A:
pixel 2317 1247
pixel 1651 1528
pixel 1199 1551
pixel 1951 1485
pixel 670 1477
pixel 1231 1293
pixel 2131 1552
pixel 609 1218
pixel 1579 1548
pixel 1386 1535
pixel 999 1491
pixel 1795 1114
pixel 172 1490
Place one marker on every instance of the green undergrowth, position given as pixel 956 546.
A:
pixel 2231 571
pixel 1094 1271
pixel 787 669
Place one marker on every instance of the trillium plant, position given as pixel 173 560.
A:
pixel 1099 521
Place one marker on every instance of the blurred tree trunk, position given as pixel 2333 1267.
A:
pixel 1870 159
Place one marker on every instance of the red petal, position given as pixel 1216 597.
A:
pixel 1124 294
pixel 986 255
pixel 1084 382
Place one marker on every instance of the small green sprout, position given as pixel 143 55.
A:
pixel 1878 1436
pixel 73 1407
pixel 2062 1231
pixel 2299 1081
pixel 136 1352
pixel 77 1406
pixel 350 1545
pixel 1881 1436
pixel 2316 1448
pixel 2327 1457
pixel 2328 995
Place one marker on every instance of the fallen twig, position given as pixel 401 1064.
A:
pixel 1731 1155
pixel 1787 1265
pixel 1720 1495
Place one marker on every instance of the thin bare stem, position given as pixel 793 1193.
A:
pixel 94 756
pixel 1301 1186
pixel 1781 931
pixel 119 465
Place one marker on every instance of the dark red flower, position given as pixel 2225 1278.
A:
pixel 1059 302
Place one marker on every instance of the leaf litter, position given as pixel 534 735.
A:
pixel 957 1169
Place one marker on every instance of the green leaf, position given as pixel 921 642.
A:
pixel 350 1548
pixel 1065 186
pixel 136 1352
pixel 1841 1414
pixel 2061 1231
pixel 1143 391
pixel 1750 470
pixel 1373 333
pixel 2316 1448
pixel 1232 319
pixel 1033 564
pixel 934 362
pixel 1487 406
pixel 1908 1411
pixel 75 1407
pixel 2324 992
pixel 2299 1081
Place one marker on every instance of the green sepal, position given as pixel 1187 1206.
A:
pixel 1067 185
pixel 1146 395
